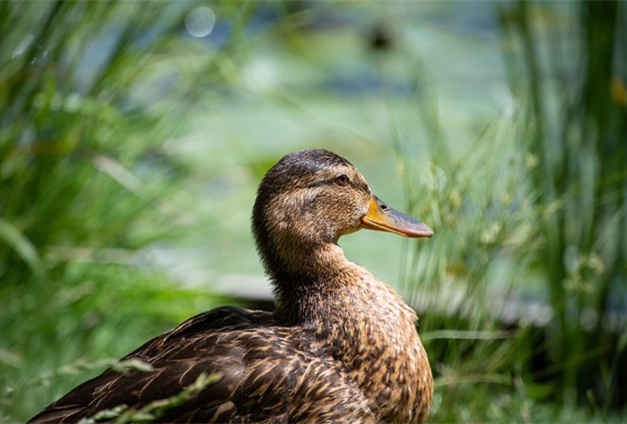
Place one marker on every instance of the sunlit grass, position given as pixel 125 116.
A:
pixel 509 213
pixel 84 187
pixel 574 128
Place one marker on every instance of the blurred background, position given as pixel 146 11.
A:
pixel 133 136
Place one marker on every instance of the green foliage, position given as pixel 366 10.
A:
pixel 467 281
pixel 574 125
pixel 85 186
pixel 541 220
pixel 62 162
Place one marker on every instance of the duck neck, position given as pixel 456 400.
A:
pixel 301 274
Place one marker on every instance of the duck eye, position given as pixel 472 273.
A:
pixel 342 180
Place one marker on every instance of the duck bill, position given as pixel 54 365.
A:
pixel 381 217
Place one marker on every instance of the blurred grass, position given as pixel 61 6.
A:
pixel 528 265
pixel 119 131
pixel 577 136
pixel 85 185
pixel 465 280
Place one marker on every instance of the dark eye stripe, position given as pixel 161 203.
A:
pixel 331 181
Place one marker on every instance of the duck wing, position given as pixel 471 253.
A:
pixel 265 373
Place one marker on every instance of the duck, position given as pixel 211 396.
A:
pixel 340 345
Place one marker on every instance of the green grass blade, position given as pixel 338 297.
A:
pixel 13 237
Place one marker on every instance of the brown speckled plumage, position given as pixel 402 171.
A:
pixel 341 345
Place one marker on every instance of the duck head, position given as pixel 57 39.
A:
pixel 306 202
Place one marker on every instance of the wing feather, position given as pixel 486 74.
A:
pixel 267 374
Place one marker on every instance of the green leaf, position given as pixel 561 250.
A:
pixel 22 245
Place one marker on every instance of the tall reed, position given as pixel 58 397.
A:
pixel 90 92
pixel 569 80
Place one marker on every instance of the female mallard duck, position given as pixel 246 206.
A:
pixel 340 346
